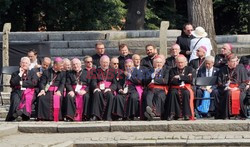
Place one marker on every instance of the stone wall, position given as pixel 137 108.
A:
pixel 80 43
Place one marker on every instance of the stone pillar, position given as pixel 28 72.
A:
pixel 5 54
pixel 163 38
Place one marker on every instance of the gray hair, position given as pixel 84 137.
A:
pixel 25 58
pixel 86 57
pixel 133 57
pixel 66 60
pixel 209 58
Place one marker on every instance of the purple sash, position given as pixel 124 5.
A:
pixel 79 104
pixel 56 102
pixel 26 100
pixel 139 91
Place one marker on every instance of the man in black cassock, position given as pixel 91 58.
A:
pixel 185 39
pixel 232 81
pixel 199 62
pixel 127 103
pixel 51 92
pixel 77 84
pixel 124 55
pixel 174 51
pixel 45 64
pixel 100 51
pixel 104 84
pixel 151 52
pixel 180 98
pixel 23 84
pixel 154 94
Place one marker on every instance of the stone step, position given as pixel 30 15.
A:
pixel 127 133
pixel 164 142
pixel 134 126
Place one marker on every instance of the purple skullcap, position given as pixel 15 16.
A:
pixel 128 60
pixel 230 46
pixel 204 48
pixel 58 59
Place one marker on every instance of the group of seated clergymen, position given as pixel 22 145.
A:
pixel 129 88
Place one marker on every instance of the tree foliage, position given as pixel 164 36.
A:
pixel 231 16
pixel 58 15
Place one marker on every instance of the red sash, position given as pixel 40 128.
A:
pixel 191 102
pixel 235 99
pixel 26 100
pixel 162 87
pixel 79 104
pixel 56 102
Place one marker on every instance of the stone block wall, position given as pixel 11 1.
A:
pixel 81 43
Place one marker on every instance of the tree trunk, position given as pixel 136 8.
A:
pixel 135 15
pixel 200 13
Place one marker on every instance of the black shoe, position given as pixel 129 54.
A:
pixel 131 118
pixel 171 117
pixel 186 118
pixel 93 118
pixel 150 111
pixel 69 119
pixel 25 118
pixel 120 119
pixel 148 116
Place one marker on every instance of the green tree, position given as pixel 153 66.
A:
pixel 232 16
pixel 174 11
pixel 62 15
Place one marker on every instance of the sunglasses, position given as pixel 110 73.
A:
pixel 115 63
pixel 88 61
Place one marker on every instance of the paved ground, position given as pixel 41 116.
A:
pixel 145 133
pixel 129 138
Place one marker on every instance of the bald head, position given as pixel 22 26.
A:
pixel 136 59
pixel 104 62
pixel 46 63
pixel 76 64
pixel 226 49
pixel 66 64
pixel 181 61
pixel 175 50
pixel 114 63
pixel 158 62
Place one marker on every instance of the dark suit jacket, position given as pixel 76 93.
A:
pixel 202 72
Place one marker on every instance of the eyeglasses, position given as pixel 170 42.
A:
pixel 88 61
pixel 115 63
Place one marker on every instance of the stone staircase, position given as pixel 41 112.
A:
pixel 81 43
